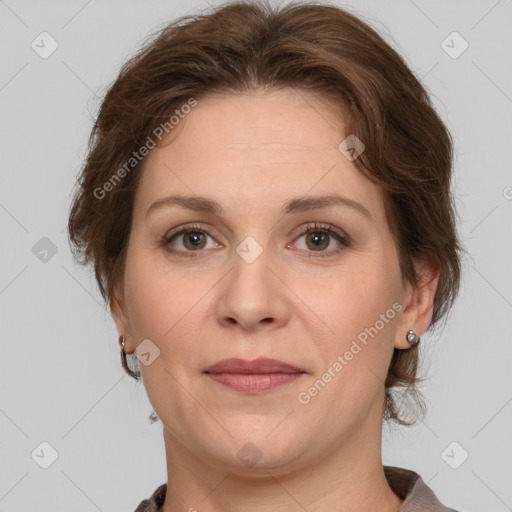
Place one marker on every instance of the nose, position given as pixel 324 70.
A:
pixel 253 294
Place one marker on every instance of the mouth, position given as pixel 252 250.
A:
pixel 253 377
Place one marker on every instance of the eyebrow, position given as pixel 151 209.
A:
pixel 296 205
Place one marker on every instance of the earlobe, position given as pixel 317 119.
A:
pixel 418 312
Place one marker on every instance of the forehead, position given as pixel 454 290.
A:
pixel 263 147
pixel 291 119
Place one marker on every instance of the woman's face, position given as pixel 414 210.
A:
pixel 248 283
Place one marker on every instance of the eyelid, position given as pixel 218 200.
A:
pixel 191 226
pixel 321 226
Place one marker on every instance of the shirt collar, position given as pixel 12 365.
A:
pixel 405 483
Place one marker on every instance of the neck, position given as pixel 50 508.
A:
pixel 349 477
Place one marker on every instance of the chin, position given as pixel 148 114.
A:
pixel 253 450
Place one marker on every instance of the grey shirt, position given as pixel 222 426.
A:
pixel 405 483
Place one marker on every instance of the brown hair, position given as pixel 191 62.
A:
pixel 321 48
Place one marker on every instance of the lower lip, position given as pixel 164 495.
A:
pixel 254 382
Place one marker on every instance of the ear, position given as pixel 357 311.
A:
pixel 419 303
pixel 121 318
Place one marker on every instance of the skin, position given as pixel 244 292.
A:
pixel 252 153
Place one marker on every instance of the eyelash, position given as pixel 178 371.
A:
pixel 310 228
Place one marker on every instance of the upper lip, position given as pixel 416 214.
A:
pixel 260 365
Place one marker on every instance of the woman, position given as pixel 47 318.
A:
pixel 266 202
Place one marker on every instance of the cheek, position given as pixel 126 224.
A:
pixel 351 298
pixel 357 308
pixel 163 305
pixel 152 302
pixel 146 303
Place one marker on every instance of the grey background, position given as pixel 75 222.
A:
pixel 61 379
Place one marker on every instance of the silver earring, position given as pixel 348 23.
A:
pixel 136 375
pixel 412 338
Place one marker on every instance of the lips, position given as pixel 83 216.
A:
pixel 253 377
pixel 259 366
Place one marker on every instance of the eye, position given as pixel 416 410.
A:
pixel 321 238
pixel 194 239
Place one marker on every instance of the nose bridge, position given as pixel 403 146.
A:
pixel 251 263
pixel 252 292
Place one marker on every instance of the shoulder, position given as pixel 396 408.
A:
pixel 410 487
pixel 153 503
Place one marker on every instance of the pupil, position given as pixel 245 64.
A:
pixel 193 240
pixel 318 238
